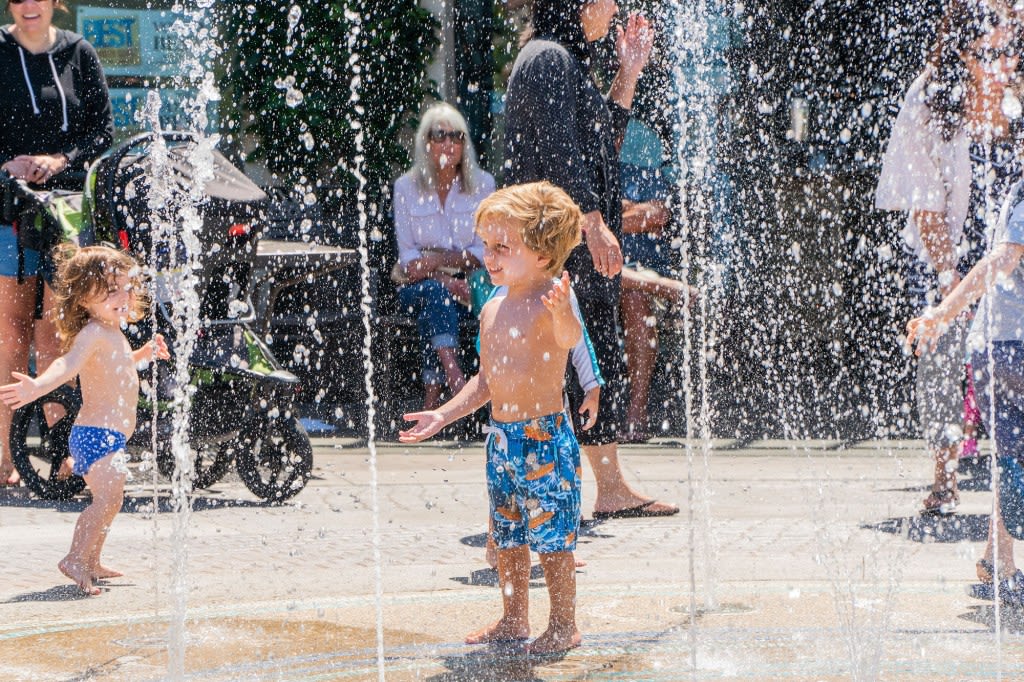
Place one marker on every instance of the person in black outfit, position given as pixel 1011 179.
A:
pixel 55 117
pixel 561 129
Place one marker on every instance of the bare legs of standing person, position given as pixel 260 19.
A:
pixel 18 305
pixel 514 580
pixel 641 341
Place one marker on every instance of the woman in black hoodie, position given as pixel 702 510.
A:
pixel 560 128
pixel 55 117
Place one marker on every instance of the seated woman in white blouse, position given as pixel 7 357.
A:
pixel 437 245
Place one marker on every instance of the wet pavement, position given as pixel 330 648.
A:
pixel 799 561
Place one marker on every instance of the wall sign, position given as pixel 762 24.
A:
pixel 133 42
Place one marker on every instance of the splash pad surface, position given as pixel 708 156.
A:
pixel 820 570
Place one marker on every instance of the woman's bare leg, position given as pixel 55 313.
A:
pixel 997 533
pixel 613 491
pixel 452 372
pixel 641 340
pixel 47 346
pixel 17 303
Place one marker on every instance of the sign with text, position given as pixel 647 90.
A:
pixel 129 102
pixel 133 42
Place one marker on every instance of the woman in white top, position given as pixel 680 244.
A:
pixel 950 159
pixel 437 244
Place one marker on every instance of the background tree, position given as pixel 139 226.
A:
pixel 290 80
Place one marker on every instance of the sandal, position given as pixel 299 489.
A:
pixel 941 502
pixel 1010 592
pixel 985 570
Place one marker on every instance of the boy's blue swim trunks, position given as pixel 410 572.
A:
pixel 90 444
pixel 533 481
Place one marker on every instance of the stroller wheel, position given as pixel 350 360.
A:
pixel 274 457
pixel 211 461
pixel 39 462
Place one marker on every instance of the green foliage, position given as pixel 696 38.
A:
pixel 293 82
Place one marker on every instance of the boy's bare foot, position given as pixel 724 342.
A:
pixel 66 469
pixel 504 630
pixel 555 640
pixel 79 575
pixel 9 476
pixel 102 572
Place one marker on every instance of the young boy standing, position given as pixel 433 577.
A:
pixel 533 460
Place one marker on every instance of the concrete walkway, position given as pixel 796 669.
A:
pixel 809 563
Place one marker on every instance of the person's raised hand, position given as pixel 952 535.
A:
pixel 557 300
pixel 633 44
pixel 603 246
pixel 426 425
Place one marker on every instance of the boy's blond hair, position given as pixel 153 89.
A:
pixel 549 221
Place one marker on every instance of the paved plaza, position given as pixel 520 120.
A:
pixel 808 560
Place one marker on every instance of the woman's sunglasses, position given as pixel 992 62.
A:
pixel 442 135
pixel 19 2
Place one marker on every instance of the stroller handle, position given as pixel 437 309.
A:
pixel 117 154
pixel 143 139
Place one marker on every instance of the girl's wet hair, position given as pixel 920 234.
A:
pixel 88 273
pixel 963 24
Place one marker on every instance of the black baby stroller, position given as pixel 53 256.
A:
pixel 242 407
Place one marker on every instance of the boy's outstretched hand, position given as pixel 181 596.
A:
pixel 557 299
pixel 427 424
pixel 21 393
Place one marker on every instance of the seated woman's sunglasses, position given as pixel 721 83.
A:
pixel 441 135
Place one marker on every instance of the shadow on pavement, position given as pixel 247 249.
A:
pixel 133 503
pixel 489 577
pixel 985 614
pixel 57 593
pixel 935 528
pixel 493 663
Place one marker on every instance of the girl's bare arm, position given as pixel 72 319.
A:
pixel 154 349
pixel 60 371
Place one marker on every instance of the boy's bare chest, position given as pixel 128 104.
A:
pixel 515 334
